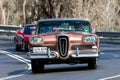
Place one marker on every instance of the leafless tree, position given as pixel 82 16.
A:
pixel 104 14
pixel 24 12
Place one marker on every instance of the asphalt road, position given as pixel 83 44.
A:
pixel 15 65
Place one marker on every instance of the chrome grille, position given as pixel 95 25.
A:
pixel 63 45
pixel 81 47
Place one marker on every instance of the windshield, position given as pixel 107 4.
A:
pixel 29 29
pixel 64 26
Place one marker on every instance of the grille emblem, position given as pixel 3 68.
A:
pixel 63 45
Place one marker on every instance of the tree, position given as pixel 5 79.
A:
pixel 104 14
pixel 24 12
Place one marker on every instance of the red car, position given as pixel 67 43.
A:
pixel 22 36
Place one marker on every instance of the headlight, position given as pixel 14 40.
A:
pixel 89 39
pixel 36 40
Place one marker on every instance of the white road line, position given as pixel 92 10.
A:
pixel 102 53
pixel 116 55
pixel 5 52
pixel 112 77
pixel 19 58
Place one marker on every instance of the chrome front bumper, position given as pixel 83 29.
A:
pixel 41 56
pixel 72 55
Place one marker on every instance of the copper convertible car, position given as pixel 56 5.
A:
pixel 63 40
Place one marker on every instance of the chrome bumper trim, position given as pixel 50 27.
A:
pixel 82 55
pixel 41 56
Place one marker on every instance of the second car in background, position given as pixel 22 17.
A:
pixel 22 36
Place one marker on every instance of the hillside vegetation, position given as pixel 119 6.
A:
pixel 104 14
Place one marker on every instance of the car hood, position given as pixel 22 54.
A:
pixel 69 34
pixel 76 37
pixel 27 36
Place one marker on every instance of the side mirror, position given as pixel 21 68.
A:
pixel 19 32
pixel 94 30
pixel 33 32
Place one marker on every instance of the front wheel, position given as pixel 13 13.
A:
pixel 17 47
pixel 92 64
pixel 37 66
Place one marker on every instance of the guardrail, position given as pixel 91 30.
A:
pixel 109 34
pixel 8 29
pixel 109 37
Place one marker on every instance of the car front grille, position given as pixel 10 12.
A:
pixel 63 44
pixel 81 47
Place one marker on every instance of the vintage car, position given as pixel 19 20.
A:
pixel 63 40
pixel 21 39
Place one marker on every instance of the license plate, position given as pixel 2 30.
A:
pixel 41 50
